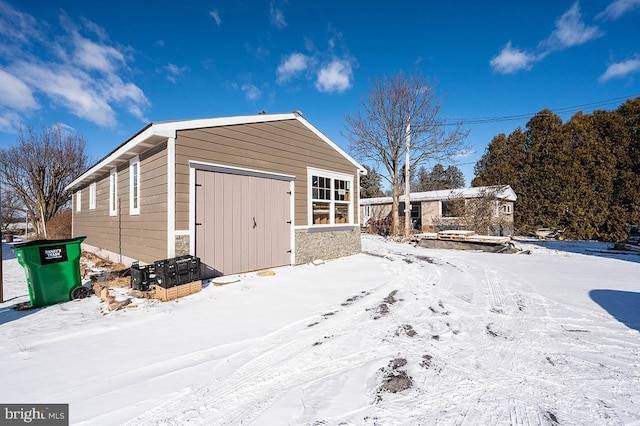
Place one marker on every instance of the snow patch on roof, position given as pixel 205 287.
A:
pixel 503 192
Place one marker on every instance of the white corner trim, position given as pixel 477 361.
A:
pixel 192 210
pixel 292 212
pixel 171 197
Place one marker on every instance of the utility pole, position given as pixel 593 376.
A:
pixel 407 185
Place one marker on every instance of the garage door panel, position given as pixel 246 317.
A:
pixel 245 218
pixel 244 222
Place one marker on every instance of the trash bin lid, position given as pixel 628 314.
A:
pixel 46 242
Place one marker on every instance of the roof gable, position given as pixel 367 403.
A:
pixel 156 133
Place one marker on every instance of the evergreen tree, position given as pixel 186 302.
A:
pixel 543 182
pixel 582 175
pixel 504 163
pixel 371 184
pixel 627 186
pixel 439 178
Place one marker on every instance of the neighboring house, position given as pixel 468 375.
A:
pixel 241 193
pixel 450 209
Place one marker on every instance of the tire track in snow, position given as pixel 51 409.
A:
pixel 259 376
pixel 491 294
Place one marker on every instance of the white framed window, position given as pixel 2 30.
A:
pixel 506 209
pixel 79 200
pixel 134 185
pixel 92 196
pixel 113 192
pixel 330 198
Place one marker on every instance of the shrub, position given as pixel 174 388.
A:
pixel 60 225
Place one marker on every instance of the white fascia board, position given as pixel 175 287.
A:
pixel 377 200
pixel 169 128
pixel 331 143
pixel 127 147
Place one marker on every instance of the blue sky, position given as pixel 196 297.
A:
pixel 106 69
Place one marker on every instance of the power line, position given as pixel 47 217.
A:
pixel 563 110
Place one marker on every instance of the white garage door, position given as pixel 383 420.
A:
pixel 243 223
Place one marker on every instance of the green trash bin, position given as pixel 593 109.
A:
pixel 52 268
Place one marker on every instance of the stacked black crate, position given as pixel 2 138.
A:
pixel 177 271
pixel 142 277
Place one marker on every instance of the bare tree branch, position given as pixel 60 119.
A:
pixel 379 133
pixel 40 167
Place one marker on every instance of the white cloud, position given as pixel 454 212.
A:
pixel 330 70
pixel 9 122
pixel 465 153
pixel 618 8
pixel 17 27
pixel 15 94
pixel 78 69
pixel 620 69
pixel 216 16
pixel 127 94
pixel 292 66
pixel 570 31
pixel 71 89
pixel 174 71
pixel 277 16
pixel 335 76
pixel 251 92
pixel 94 56
pixel 511 60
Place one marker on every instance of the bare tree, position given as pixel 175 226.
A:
pixel 40 167
pixel 379 133
pixel 11 207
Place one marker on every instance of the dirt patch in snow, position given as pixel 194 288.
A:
pixel 383 308
pixel 394 380
pixel 355 298
pixel 407 330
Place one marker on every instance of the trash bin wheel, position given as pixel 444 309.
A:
pixel 80 292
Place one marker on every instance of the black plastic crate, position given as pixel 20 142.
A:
pixel 177 271
pixel 142 277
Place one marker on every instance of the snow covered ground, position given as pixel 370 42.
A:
pixel 475 338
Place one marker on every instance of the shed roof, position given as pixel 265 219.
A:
pixel 504 192
pixel 155 133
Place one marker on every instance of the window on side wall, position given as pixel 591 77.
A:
pixel 331 198
pixel 79 200
pixel 92 196
pixel 453 208
pixel 113 192
pixel 134 185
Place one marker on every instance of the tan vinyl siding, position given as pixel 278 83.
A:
pixel 143 236
pixel 96 224
pixel 284 147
